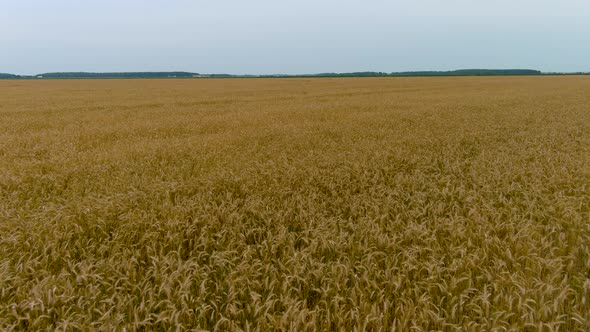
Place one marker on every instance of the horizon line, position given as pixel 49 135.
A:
pixel 186 74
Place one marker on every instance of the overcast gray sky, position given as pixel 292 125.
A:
pixel 288 36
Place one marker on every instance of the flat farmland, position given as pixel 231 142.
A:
pixel 453 204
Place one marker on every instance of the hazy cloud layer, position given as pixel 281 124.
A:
pixel 264 37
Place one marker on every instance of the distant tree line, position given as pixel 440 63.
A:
pixel 460 72
pixel 470 72
pixel 183 74
pixel 119 75
pixel 3 75
pixel 353 74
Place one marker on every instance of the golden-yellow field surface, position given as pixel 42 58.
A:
pixel 296 204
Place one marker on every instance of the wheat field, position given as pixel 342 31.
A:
pixel 361 204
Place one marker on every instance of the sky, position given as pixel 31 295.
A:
pixel 292 37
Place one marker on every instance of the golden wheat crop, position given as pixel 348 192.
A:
pixel 452 204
